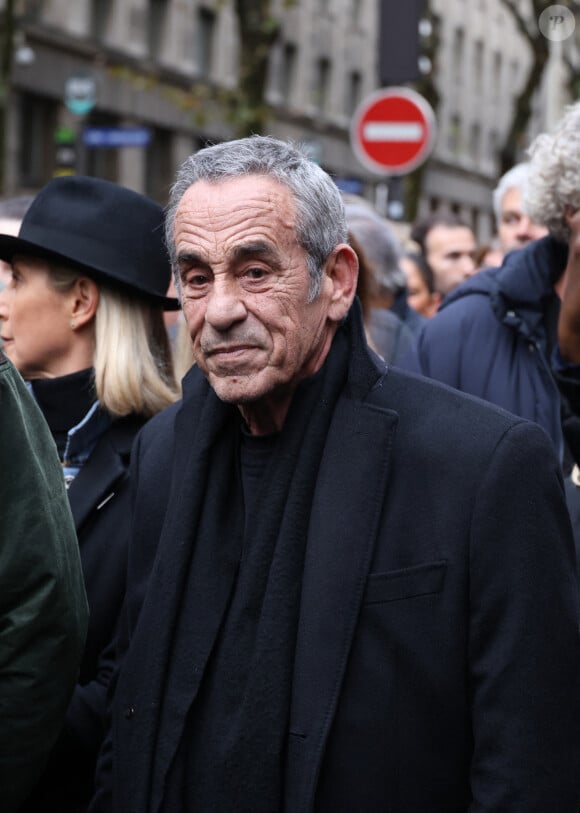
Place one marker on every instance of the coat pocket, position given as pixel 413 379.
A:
pixel 409 582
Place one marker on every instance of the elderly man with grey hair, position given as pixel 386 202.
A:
pixel 508 335
pixel 331 603
pixel 515 227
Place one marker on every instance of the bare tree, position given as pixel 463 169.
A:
pixel 259 29
pixel 527 25
pixel 571 55
pixel 7 29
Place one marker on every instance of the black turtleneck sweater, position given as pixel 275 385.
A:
pixel 64 402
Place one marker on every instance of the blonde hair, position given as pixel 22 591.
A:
pixel 183 358
pixel 133 368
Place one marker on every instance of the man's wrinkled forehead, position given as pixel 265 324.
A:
pixel 238 205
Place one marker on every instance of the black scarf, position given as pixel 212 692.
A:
pixel 231 754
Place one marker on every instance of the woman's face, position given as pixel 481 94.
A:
pixel 36 321
pixel 419 296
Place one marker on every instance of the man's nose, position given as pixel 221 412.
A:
pixel 225 305
pixel 524 229
pixel 468 264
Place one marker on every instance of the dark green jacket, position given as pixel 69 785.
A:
pixel 43 607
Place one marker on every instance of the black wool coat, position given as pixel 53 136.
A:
pixel 437 660
pixel 99 498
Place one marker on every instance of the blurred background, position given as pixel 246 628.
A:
pixel 126 89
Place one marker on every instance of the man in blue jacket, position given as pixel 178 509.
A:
pixel 497 335
pixel 349 588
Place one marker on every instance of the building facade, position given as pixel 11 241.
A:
pixel 156 70
pixel 126 89
pixel 483 62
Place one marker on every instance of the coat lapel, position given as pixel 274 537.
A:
pixel 343 528
pixel 177 637
pixel 94 485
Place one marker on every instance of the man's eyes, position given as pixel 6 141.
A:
pixel 195 279
pixel 199 279
pixel 255 272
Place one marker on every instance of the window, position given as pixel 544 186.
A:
pixel 457 53
pixel 475 142
pixel 353 92
pixel 156 20
pixel 159 170
pixel 288 71
pixel 496 72
pixel 454 134
pixel 478 66
pixel 493 145
pixel 206 24
pixel 514 71
pixel 37 148
pixel 321 84
pixel 100 16
pixel 102 162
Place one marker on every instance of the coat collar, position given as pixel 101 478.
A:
pixel 94 484
pixel 352 482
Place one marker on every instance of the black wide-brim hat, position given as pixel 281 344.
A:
pixel 112 234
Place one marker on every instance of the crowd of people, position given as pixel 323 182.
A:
pixel 241 431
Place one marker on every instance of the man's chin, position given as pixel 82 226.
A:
pixel 236 388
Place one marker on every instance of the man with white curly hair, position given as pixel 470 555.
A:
pixel 507 334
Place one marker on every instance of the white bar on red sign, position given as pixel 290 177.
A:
pixel 392 131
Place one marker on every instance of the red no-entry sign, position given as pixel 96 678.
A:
pixel 393 131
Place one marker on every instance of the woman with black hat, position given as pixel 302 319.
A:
pixel 83 322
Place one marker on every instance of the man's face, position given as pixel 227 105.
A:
pixel 244 284
pixel 515 228
pixel 450 251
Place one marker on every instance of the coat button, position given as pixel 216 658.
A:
pixel 129 712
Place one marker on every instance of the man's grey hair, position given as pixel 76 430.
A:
pixel 514 178
pixel 379 243
pixel 554 182
pixel 320 217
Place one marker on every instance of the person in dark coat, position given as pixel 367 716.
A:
pixel 83 322
pixel 349 588
pixel 386 333
pixel 492 337
pixel 43 604
pixel 499 336
pixel 387 282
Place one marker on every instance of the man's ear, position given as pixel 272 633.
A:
pixel 342 273
pixel 83 302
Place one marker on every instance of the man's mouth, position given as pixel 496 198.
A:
pixel 230 351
